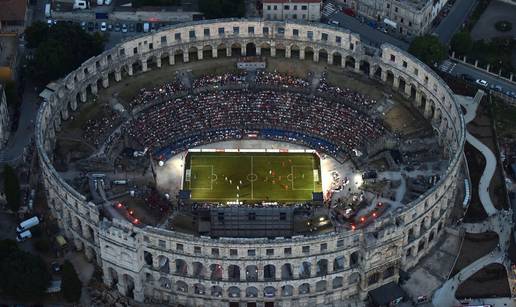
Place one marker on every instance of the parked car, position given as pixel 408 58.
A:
pixel 91 26
pixel 139 27
pixel 132 27
pixel 103 26
pixel 110 27
pixel 467 77
pixel 481 82
pixel 83 25
pixel 55 266
pixel 117 27
pixel 124 28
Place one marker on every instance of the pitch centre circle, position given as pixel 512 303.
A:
pixel 252 177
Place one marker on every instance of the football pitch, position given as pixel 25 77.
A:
pixel 222 176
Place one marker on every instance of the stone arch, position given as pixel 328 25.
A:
pixel 287 290
pixel 280 50
pixel 388 272
pixel 234 273
pixel 269 291
pixel 309 53
pixel 305 270
pixel 207 52
pixel 181 286
pixel 402 84
pixel 354 278
pixel 365 66
pixel 421 245
pixel 337 58
pixel 295 52
pixel 354 259
pixel 163 264
pixel 265 49
pixel 234 292
pixel 216 272
pixel 338 263
pixel 250 49
pixel 304 288
pixel 431 236
pixel 390 77
pixel 337 282
pixel 287 272
pixel 221 50
pixel 198 270
pixel 413 91
pixel 193 53
pixel 236 49
pixel 181 267
pixel 129 286
pixel 251 273
pixel 178 56
pixel 216 291
pixel 269 272
pixel 199 289
pixel 322 267
pixel 320 286
pixel 251 292
pixel 323 55
pixel 377 72
pixel 373 278
pixel 350 62
pixel 113 276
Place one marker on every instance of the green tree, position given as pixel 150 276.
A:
pixel 24 276
pixel 36 34
pixel 461 43
pixel 11 188
pixel 71 284
pixel 222 8
pixel 428 49
pixel 11 93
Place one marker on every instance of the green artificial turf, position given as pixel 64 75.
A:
pixel 281 177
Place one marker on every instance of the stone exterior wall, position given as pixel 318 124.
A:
pixel 168 266
pixel 302 10
pixel 4 119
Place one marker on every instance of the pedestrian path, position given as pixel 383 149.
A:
pixel 329 9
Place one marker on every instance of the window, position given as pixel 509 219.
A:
pixel 304 7
pixel 310 35
pixel 401 20
pixel 251 252
pixel 233 252
pixel 396 9
pixel 294 16
pixel 122 51
pixel 295 7
pixel 177 36
pixel 324 246
pixel 236 30
pixel 416 71
pixel 324 37
pixel 405 64
pixel 340 243
pixel 268 7
pixel 351 46
pixel 250 30
pixel 265 31
pixel 374 278
pixel 388 6
pixel 191 34
pixel 151 46
pixel 295 32
pixel 179 247
pixel 275 7
pixel 221 31
pixel 206 32
pixel 197 250
pixel 304 16
pixel 214 251
pixel 283 216
pixel 135 50
pixel 269 252
pixel 220 216
pixel 251 216
pixel 161 243
pixel 338 39
pixel 306 249
pixel 146 239
pixel 393 58
pixel 286 7
pixel 163 39
pixel 287 251
pixel 281 31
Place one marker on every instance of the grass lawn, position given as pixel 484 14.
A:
pixel 279 177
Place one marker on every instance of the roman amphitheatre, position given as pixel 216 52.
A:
pixel 230 162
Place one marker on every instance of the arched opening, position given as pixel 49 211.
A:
pixel 320 286
pixel 286 272
pixel 322 267
pixel 431 236
pixel 193 54
pixel 265 49
pixel 199 289
pixel 269 291
pixel 233 292
pixel 165 58
pixel 401 84
pixel 216 272
pixel 236 50
pixel 354 259
pixel 151 62
pixel 354 278
pixel 163 264
pixel 269 272
pixel 388 272
pixel 323 55
pixel 378 72
pixel 287 290
pixel 234 273
pixel 390 78
pixel 129 286
pixel 413 91
pixel 221 51
pixel 305 270
pixel 178 56
pixel 338 263
pixel 250 49
pixel 181 286
pixel 337 282
pixel 304 288
pixel 164 282
pixel 350 62
pixel 113 276
pixel 198 270
pixel 294 52
pixel 421 245
pixel 373 278
pixel 216 291
pixel 309 53
pixel 365 67
pixel 337 59
pixel 251 273
pixel 207 52
pixel 280 50
pixel 251 292
pixel 181 267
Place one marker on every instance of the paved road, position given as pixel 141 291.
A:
pixel 478 74
pixel 456 17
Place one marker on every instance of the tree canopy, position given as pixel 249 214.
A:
pixel 12 188
pixel 428 49
pixel 222 8
pixel 60 49
pixel 24 276
pixel 461 42
pixel 71 284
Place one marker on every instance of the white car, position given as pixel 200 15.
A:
pixel 482 82
pixel 103 26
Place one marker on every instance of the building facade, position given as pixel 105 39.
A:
pixel 4 118
pixel 327 269
pixel 411 18
pixel 13 14
pixel 292 9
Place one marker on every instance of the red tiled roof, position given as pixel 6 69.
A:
pixel 13 9
pixel 292 1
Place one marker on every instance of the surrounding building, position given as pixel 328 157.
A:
pixel 409 17
pixel 13 14
pixel 4 118
pixel 292 9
